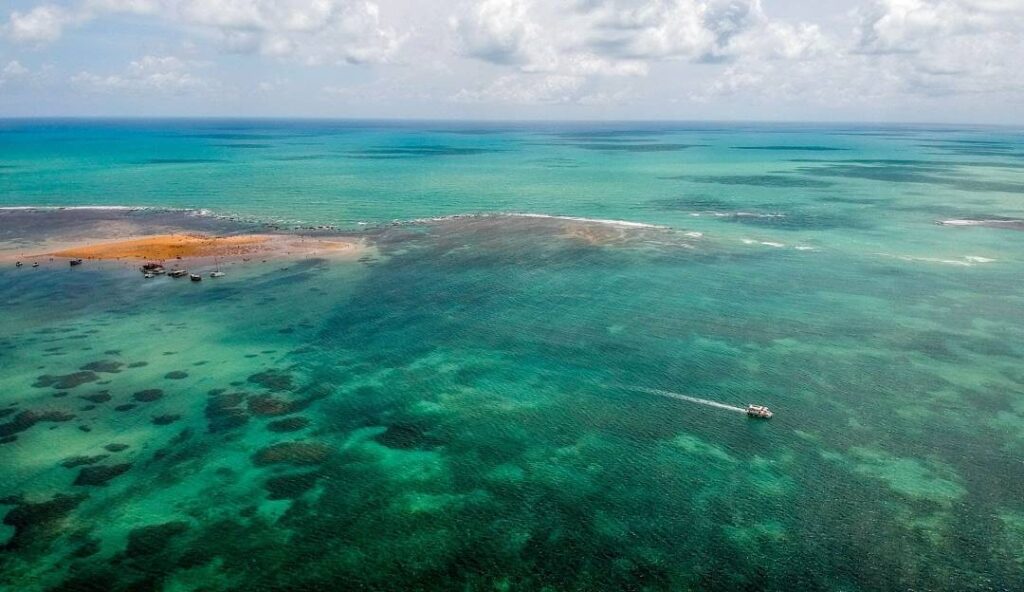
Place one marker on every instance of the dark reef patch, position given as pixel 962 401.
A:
pixel 27 419
pixel 166 419
pixel 783 148
pixel 294 453
pixel 158 161
pixel 116 447
pixel 785 181
pixel 106 366
pixel 911 174
pixel 149 540
pixel 408 436
pixel 148 395
pixel 36 525
pixel 125 407
pixel 419 151
pixel 101 474
pixel 138 364
pixel 77 461
pixel 87 549
pixel 224 412
pixel 290 486
pixel 176 375
pixel 607 146
pixel 97 397
pixel 288 424
pixel 274 380
pixel 770 215
pixel 66 381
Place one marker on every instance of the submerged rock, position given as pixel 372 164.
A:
pixel 66 381
pixel 148 395
pixel 407 435
pixel 224 412
pixel 294 453
pixel 116 447
pixel 99 475
pixel 125 407
pixel 149 540
pixel 290 486
pixel 176 375
pixel 107 366
pixel 77 461
pixel 274 380
pixel 288 424
pixel 166 419
pixel 38 524
pixel 138 364
pixel 87 549
pixel 97 397
pixel 27 419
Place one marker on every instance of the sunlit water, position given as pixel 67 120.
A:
pixel 481 403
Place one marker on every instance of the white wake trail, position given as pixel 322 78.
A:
pixel 672 395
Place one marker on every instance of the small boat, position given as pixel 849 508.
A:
pixel 18 264
pixel 148 276
pixel 152 268
pixel 195 277
pixel 36 264
pixel 75 262
pixel 216 274
pixel 759 411
pixel 177 273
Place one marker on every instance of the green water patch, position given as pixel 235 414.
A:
pixel 915 479
pixel 780 181
pixel 418 151
pixel 791 148
pixel 912 174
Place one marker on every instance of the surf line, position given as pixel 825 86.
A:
pixel 680 397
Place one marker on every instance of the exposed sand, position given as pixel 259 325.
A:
pixel 168 246
pixel 162 247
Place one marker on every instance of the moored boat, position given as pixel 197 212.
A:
pixel 177 273
pixel 195 277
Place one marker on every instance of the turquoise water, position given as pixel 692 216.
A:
pixel 473 405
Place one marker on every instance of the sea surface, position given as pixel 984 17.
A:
pixel 504 393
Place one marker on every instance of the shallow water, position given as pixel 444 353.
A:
pixel 478 405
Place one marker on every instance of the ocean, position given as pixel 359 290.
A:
pixel 505 392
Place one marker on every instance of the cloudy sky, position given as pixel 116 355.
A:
pixel 849 60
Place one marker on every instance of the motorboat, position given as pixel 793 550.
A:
pixel 759 412
pixel 177 273
pixel 216 274
pixel 75 262
pixel 195 277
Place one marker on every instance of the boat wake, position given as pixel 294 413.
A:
pixel 681 397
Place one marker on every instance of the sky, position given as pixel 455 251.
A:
pixel 956 61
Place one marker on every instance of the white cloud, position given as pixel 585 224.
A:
pixel 150 74
pixel 42 24
pixel 12 72
pixel 313 31
pixel 526 89
pixel 905 26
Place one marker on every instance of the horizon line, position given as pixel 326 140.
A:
pixel 866 122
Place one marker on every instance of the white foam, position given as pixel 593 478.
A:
pixel 804 248
pixel 772 244
pixel 607 222
pixel 693 234
pixel 55 208
pixel 966 261
pixel 682 397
